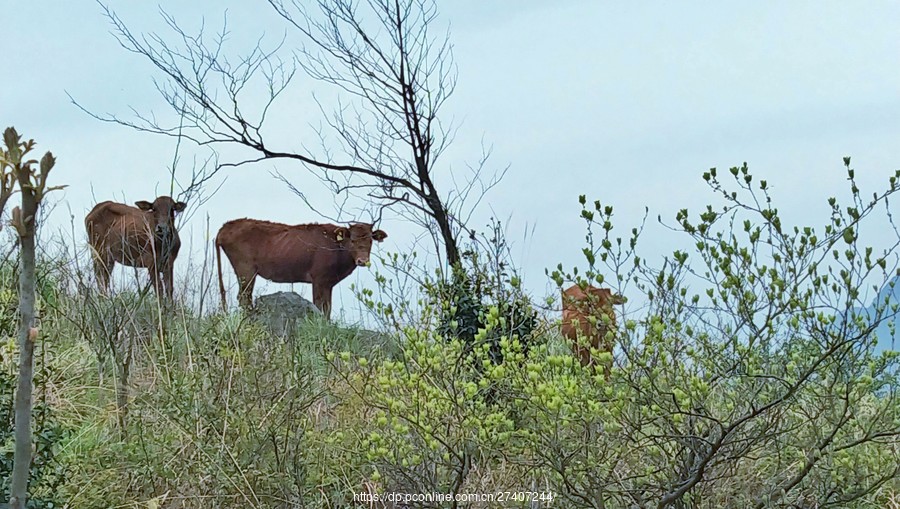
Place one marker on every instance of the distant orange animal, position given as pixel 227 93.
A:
pixel 580 308
pixel 142 236
pixel 321 254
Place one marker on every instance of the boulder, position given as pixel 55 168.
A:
pixel 280 312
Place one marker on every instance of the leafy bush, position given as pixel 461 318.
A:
pixel 752 378
pixel 485 284
pixel 47 474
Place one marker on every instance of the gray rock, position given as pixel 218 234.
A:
pixel 280 312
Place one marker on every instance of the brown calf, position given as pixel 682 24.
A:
pixel 580 308
pixel 321 254
pixel 143 236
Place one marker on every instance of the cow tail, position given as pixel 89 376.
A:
pixel 221 282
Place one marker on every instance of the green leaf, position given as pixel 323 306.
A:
pixel 849 237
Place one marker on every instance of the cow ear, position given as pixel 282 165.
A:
pixel 340 233
pixel 144 205
pixel 180 206
pixel 379 235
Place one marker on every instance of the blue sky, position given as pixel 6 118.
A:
pixel 627 102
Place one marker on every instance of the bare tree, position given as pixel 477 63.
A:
pixel 393 76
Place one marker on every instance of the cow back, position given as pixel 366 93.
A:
pixel 281 253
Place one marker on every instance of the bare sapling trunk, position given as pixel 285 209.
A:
pixel 32 186
pixel 27 335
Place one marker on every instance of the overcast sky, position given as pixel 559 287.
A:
pixel 626 102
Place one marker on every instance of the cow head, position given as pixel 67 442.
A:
pixel 591 297
pixel 605 295
pixel 161 215
pixel 357 239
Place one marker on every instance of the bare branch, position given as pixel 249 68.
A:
pixel 394 75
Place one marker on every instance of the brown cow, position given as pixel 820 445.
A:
pixel 579 307
pixel 143 236
pixel 321 254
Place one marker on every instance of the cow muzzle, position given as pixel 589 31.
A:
pixel 360 262
pixel 163 233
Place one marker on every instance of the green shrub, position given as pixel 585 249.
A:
pixel 485 284
pixel 47 473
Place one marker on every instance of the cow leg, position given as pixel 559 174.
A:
pixel 322 299
pixel 102 270
pixel 245 291
pixel 156 280
pixel 168 281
